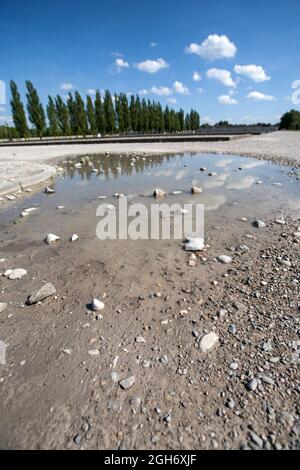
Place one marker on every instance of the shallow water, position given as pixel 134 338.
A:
pixel 241 187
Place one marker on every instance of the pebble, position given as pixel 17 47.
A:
pixel 51 238
pixel 194 244
pixel 259 224
pixel 224 259
pixel 97 305
pixel 251 385
pixel 208 342
pixel 140 339
pixel 159 192
pixel 93 352
pixel 15 273
pixel 10 197
pixel 45 291
pixel 196 190
pixel 164 360
pixel 232 329
pixel 233 366
pixel 127 383
pixel 49 190
pixel 74 237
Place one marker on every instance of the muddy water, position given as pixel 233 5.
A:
pixel 233 187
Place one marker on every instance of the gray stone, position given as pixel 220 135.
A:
pixel 44 292
pixel 252 385
pixel 224 259
pixel 3 306
pixel 127 383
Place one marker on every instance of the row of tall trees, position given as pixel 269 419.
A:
pixel 101 115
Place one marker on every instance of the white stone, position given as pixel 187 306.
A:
pixel 15 273
pixel 74 237
pixel 97 305
pixel 51 238
pixel 196 190
pixel 224 259
pixel 194 244
pixel 209 342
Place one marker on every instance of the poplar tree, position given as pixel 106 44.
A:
pixel 80 115
pixel 18 112
pixel 63 116
pixel 91 116
pixel 109 112
pixel 99 114
pixel 35 109
pixel 52 117
pixel 72 114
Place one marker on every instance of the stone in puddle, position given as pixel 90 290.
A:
pixel 194 244
pixel 127 383
pixel 15 273
pixel 196 190
pixel 259 224
pixel 159 192
pixel 3 306
pixel 209 342
pixel 44 292
pixel 49 190
pixel 224 259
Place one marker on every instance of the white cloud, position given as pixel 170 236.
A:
pixel 227 99
pixel 214 47
pixel 66 86
pixel 153 44
pixel 207 120
pixel 254 72
pixel 200 90
pixel 116 54
pixel 172 100
pixel 223 76
pixel 143 92
pixel 257 96
pixel 162 90
pixel 152 66
pixel 196 76
pixel 91 91
pixel 178 87
pixel 121 64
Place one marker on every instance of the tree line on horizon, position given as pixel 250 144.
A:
pixel 102 115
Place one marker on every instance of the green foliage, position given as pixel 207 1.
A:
pixel 91 116
pixel 35 109
pixel 109 112
pixel 290 120
pixel 62 116
pixel 99 113
pixel 109 115
pixel 18 112
pixel 53 129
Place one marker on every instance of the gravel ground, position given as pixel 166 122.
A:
pixel 282 147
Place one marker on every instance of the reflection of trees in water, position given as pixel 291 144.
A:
pixel 113 166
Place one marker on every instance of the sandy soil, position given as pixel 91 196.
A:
pixel 283 147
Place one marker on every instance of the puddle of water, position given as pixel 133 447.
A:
pixel 238 187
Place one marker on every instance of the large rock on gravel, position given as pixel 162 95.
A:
pixel 44 292
pixel 209 342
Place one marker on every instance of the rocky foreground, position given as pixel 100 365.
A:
pixel 188 352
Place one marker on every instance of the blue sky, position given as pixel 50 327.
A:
pixel 246 53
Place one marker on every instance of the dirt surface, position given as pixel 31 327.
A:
pixel 60 386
